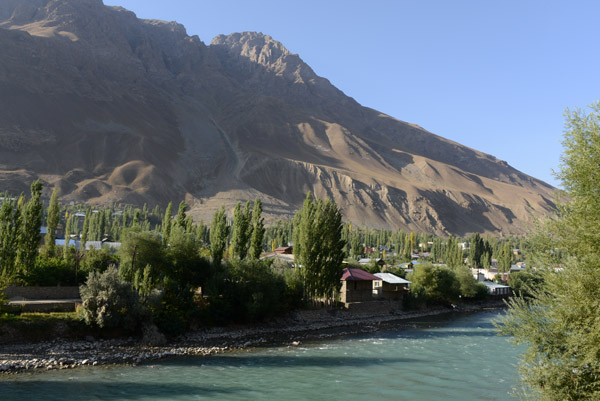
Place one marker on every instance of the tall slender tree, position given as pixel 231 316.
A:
pixel 68 228
pixel 30 230
pixel 505 258
pixel 219 233
pixel 166 223
pixel 52 222
pixel 258 231
pixel 86 228
pixel 241 231
pixel 9 235
pixel 318 247
pixel 180 219
pixel 475 250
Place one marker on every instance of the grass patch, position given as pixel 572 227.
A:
pixel 39 317
pixel 32 327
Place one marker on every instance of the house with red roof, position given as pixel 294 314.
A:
pixel 357 285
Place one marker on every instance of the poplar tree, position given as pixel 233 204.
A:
pixel 166 223
pixel 258 231
pixel 505 258
pixel 52 222
pixel 180 219
pixel 8 237
pixel 356 248
pixel 86 228
pixel 454 253
pixel 475 250
pixel 219 232
pixel 30 230
pixel 318 247
pixel 68 221
pixel 241 230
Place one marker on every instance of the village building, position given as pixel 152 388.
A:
pixel 390 286
pixel 369 261
pixel 497 289
pixel 357 285
pixel 284 250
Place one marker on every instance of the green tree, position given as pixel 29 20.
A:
pixel 86 228
pixel 166 223
pixel 356 248
pixel 469 286
pixel 561 324
pixel 258 231
pixel 9 235
pixel 241 231
pixel 454 253
pixel 436 284
pixel 219 233
pixel 180 219
pixel 505 258
pixel 138 250
pixel 318 246
pixel 68 228
pixel 52 222
pixel 30 229
pixel 475 251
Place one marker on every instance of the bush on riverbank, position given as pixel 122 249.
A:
pixel 108 301
pixel 434 285
pixel 250 291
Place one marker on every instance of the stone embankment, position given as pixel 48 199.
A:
pixel 290 330
pixel 64 355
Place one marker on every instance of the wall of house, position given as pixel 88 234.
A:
pixel 356 291
pixel 392 291
pixel 41 293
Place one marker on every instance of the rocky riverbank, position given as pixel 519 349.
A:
pixel 291 330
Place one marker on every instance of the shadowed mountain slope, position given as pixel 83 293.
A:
pixel 108 107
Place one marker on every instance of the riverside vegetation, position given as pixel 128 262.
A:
pixel 150 286
pixel 560 320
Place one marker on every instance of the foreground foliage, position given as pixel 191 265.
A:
pixel 561 323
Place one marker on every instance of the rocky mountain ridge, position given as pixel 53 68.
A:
pixel 111 108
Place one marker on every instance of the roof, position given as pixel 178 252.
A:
pixel 392 278
pixel 492 285
pixel 281 256
pixel 357 275
pixel 367 261
pixel 100 245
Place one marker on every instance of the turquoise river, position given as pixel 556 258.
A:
pixel 449 357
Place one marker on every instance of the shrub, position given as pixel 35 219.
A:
pixel 294 290
pixel 469 286
pixel 436 284
pixel 108 301
pixel 526 282
pixel 175 309
pixel 97 260
pixel 49 272
pixel 249 292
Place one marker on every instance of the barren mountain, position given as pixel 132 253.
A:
pixel 108 107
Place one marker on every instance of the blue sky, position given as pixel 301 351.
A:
pixel 493 75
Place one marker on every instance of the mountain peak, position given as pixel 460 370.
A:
pixel 258 47
pixel 262 50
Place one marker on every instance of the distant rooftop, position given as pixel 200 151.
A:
pixel 392 278
pixel 357 275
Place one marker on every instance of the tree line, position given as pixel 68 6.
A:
pixel 165 257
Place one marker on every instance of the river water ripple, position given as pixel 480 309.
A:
pixel 451 357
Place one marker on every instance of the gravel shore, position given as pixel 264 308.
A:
pixel 290 330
